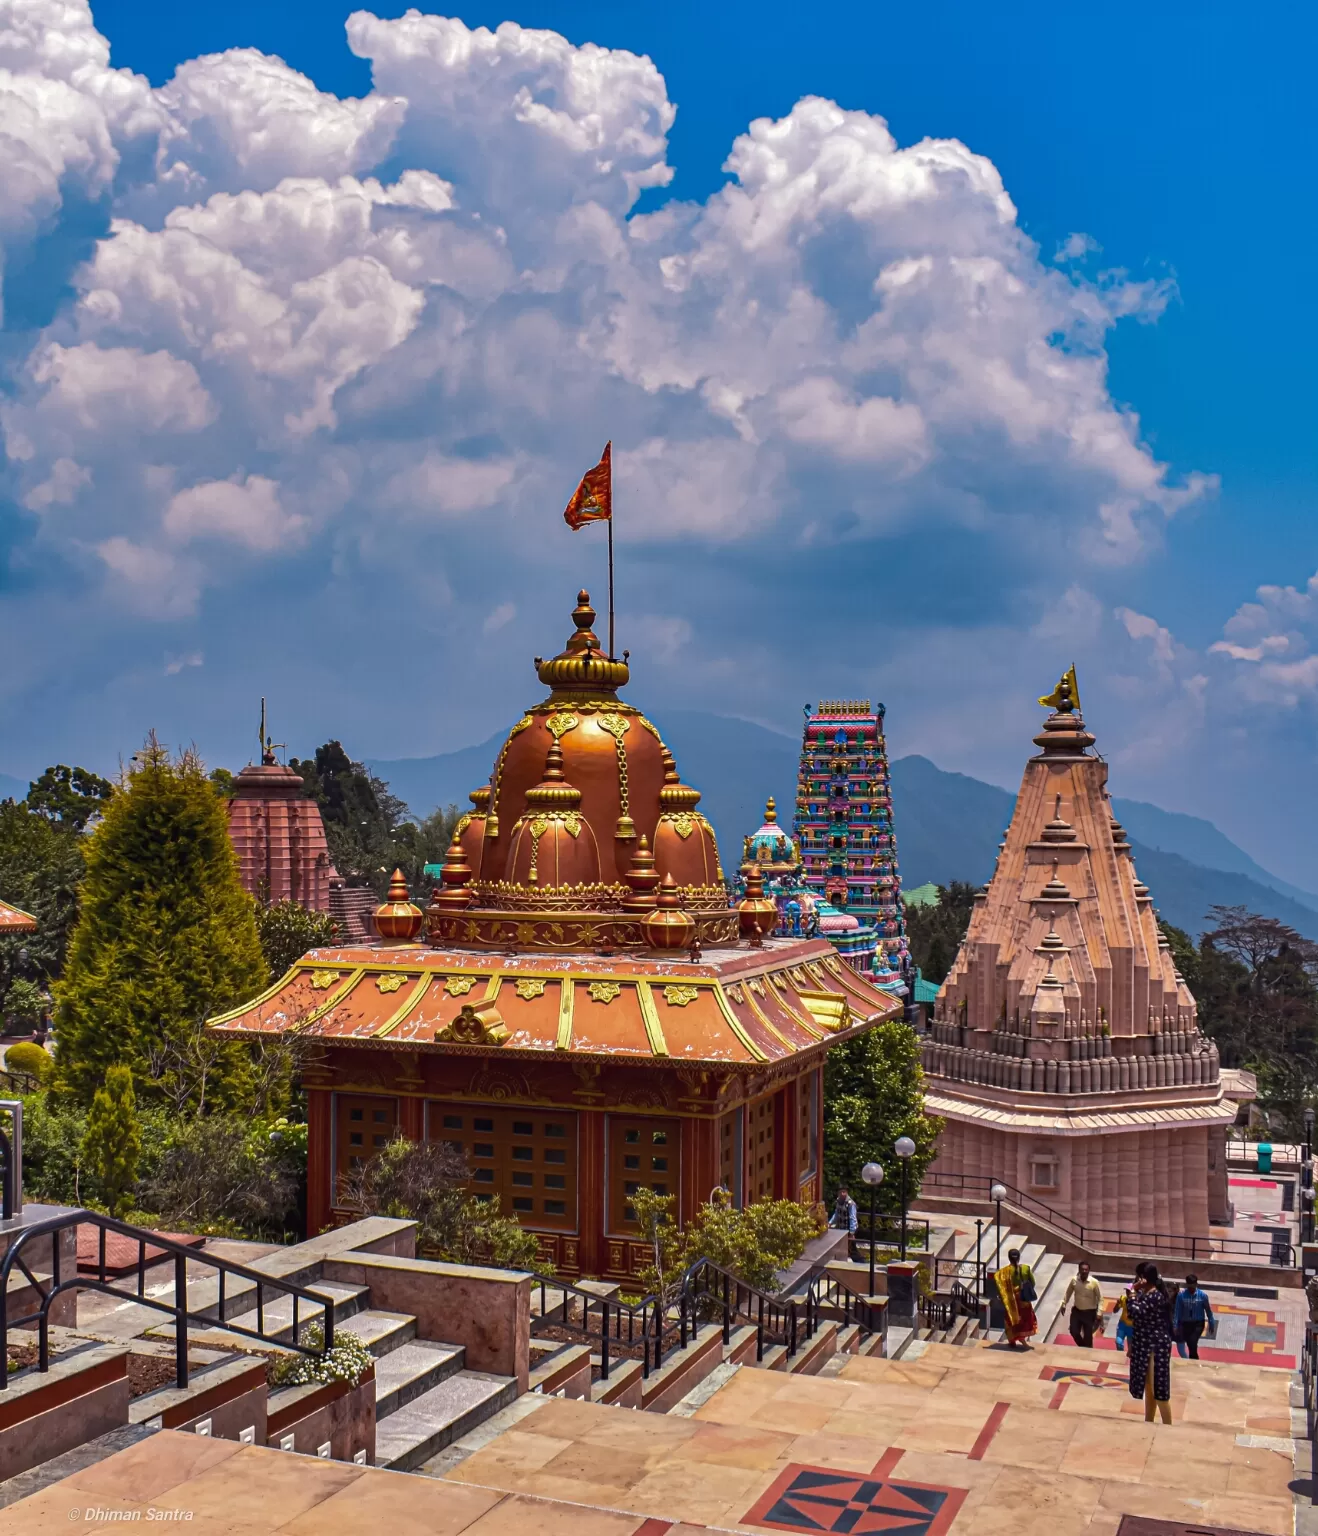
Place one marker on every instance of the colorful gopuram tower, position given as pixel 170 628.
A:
pixel 1065 1055
pixel 843 823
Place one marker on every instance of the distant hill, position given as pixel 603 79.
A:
pixel 948 825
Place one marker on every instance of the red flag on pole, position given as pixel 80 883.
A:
pixel 592 501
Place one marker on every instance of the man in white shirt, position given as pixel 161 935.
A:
pixel 1085 1308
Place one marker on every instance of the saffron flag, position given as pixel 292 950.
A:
pixel 592 501
pixel 1066 695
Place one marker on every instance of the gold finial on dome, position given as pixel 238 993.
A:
pixel 641 878
pixel 1065 698
pixel 1064 734
pixel 397 920
pixel 675 796
pixel 455 876
pixel 668 927
pixel 553 792
pixel 581 667
pixel 480 798
pixel 770 811
pixel 757 914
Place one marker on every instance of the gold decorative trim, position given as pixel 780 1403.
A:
pixel 459 986
pixel 652 728
pixel 756 986
pixel 390 981
pixel 561 722
pixel 492 815
pixel 736 992
pixel 654 1031
pixel 413 1000
pixel 737 1027
pixel 679 997
pixel 617 726
pixel 603 991
pixel 682 822
pixel 335 997
pixel 566 1000
pixel 830 1010
pixel 323 980
pixel 768 1023
pixel 475 1024
pixel 492 987
pixel 530 987
pixel 272 991
pixel 785 1002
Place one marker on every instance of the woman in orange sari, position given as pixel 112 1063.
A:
pixel 1015 1282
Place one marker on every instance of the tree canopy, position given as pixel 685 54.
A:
pixel 166 936
pixel 935 932
pixel 69 796
pixel 874 1093
pixel 369 830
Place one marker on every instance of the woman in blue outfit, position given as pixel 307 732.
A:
pixel 1151 1345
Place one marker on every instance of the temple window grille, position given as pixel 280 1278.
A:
pixel 642 1153
pixel 525 1160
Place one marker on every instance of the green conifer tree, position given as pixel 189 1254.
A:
pixel 165 937
pixel 112 1142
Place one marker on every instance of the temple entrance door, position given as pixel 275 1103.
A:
pixel 364 1124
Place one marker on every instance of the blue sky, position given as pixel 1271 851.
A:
pixel 936 569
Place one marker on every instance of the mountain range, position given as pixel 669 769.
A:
pixel 948 825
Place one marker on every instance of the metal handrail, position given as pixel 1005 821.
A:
pixel 779 1317
pixel 1186 1245
pixel 1309 1377
pixel 649 1310
pixel 145 1239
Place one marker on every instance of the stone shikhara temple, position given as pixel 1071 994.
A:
pixel 1065 1053
pixel 586 1012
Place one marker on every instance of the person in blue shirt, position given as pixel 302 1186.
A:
pixel 1191 1315
pixel 844 1212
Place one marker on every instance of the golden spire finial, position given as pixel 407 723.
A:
pixel 770 810
pixel 1065 698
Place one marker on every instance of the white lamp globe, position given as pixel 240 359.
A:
pixel 998 1192
pixel 905 1147
pixel 872 1173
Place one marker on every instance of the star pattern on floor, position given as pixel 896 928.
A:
pixel 826 1499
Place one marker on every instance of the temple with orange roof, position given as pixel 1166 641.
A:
pixel 15 920
pixel 587 1013
pixel 1065 1054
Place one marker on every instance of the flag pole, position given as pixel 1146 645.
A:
pixel 610 520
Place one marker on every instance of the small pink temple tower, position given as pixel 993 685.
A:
pixel 1065 1052
pixel 278 834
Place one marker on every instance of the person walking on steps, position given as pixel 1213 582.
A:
pixel 1192 1314
pixel 1085 1298
pixel 1151 1345
pixel 844 1213
pixel 1015 1282
pixel 1123 1308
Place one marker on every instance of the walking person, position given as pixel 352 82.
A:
pixel 1086 1299
pixel 1015 1282
pixel 1192 1314
pixel 1151 1345
pixel 1123 1308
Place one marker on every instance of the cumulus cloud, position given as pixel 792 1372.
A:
pixel 361 350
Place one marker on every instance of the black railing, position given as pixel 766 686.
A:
pixel 614 1327
pixel 1309 1376
pixel 1275 1250
pixel 56 1285
pixel 940 1309
pixel 710 1291
pixel 887 1233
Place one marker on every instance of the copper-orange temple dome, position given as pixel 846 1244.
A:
pixel 582 778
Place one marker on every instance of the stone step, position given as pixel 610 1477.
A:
pixel 277 1312
pixel 405 1373
pixel 428 1423
pixel 380 1332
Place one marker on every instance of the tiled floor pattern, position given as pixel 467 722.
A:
pixel 991 1431
pixel 1247 1334
pixel 961 1442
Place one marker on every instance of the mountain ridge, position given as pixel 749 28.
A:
pixel 948 824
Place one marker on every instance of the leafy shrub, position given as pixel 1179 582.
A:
pixel 426 1182
pixel 112 1142
pixel 224 1172
pixel 754 1243
pixel 348 1360
pixel 29 1060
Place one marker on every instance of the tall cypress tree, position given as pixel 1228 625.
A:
pixel 165 936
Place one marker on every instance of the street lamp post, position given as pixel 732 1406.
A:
pixel 998 1193
pixel 905 1150
pixel 872 1174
